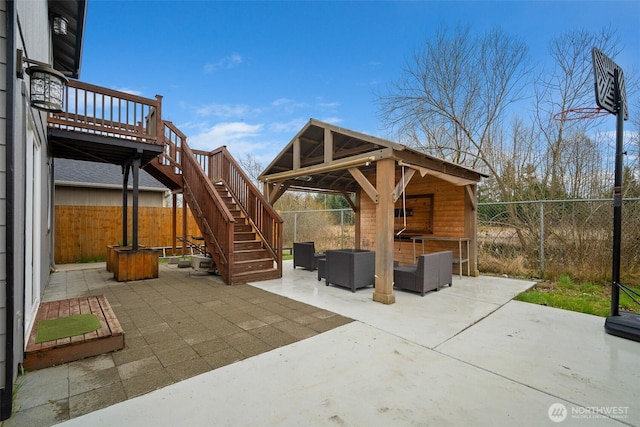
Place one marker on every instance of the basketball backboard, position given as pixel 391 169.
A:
pixel 605 70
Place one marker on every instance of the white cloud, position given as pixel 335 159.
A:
pixel 227 62
pixel 192 125
pixel 331 105
pixel 287 105
pixel 129 91
pixel 282 101
pixel 223 111
pixel 331 120
pixel 239 135
pixel 291 127
pixel 241 139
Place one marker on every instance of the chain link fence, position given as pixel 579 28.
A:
pixel 329 229
pixel 544 239
pixel 550 238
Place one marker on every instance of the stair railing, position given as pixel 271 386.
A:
pixel 221 166
pixel 213 217
pixel 174 139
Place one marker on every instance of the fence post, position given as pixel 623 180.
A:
pixel 295 226
pixel 541 240
pixel 341 229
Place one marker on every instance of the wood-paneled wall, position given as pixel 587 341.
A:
pixel 82 233
pixel 448 218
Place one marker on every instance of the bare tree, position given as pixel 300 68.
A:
pixel 634 140
pixel 452 100
pixel 581 168
pixel 566 85
pixel 453 93
pixel 516 161
pixel 252 167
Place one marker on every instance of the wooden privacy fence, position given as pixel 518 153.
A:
pixel 82 233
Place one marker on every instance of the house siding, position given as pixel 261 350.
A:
pixel 33 38
pixel 26 185
pixel 3 193
pixel 31 146
pixel 75 196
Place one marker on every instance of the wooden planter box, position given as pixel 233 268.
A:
pixel 129 265
pixel 111 255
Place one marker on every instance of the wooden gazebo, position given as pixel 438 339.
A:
pixel 406 202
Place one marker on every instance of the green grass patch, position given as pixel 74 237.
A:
pixel 286 257
pixel 581 297
pixel 63 327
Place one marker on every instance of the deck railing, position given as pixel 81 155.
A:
pixel 101 111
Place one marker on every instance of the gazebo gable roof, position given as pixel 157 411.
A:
pixel 319 157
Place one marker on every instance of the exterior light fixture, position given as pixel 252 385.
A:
pixel 46 84
pixel 60 25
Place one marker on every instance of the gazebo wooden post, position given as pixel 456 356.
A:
pixel 471 227
pixel 385 181
pixel 358 220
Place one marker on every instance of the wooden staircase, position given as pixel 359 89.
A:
pixel 252 260
pixel 242 232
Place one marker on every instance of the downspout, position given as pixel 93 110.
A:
pixel 6 394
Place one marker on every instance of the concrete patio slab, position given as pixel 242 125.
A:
pixel 354 375
pixel 558 352
pixel 428 320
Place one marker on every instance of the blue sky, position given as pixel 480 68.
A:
pixel 249 75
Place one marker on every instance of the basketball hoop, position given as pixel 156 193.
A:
pixel 580 113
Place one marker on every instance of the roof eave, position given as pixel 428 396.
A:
pixel 67 49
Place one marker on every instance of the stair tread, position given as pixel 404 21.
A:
pixel 247 261
pixel 246 273
pixel 271 273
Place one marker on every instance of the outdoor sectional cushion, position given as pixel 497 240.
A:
pixel 350 268
pixel 432 271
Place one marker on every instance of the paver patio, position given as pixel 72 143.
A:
pixel 176 327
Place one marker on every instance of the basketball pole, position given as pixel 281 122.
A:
pixel 610 95
pixel 617 199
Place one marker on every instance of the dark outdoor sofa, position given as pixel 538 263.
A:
pixel 433 271
pixel 350 268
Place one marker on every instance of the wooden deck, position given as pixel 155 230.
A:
pixel 109 337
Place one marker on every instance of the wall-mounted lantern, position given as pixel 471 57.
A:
pixel 46 84
pixel 60 26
